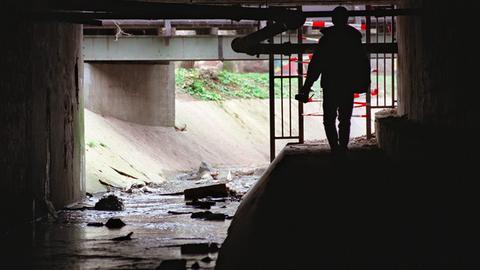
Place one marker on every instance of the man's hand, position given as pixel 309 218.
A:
pixel 303 95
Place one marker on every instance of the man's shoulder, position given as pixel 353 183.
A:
pixel 347 30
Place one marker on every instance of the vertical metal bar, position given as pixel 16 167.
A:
pixel 281 86
pixel 384 62
pixel 393 62
pixel 301 126
pixel 377 86
pixel 368 24
pixel 271 93
pixel 290 88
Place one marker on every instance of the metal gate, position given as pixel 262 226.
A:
pixel 286 77
pixel 287 73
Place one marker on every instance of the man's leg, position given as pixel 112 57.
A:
pixel 345 109
pixel 329 119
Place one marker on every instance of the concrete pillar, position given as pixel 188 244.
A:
pixel 436 56
pixel 142 93
pixel 437 82
pixel 41 107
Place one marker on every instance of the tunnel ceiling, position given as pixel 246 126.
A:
pixel 318 2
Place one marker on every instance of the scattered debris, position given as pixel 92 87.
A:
pixel 201 215
pixel 207 215
pixel 202 204
pixel 217 217
pixel 229 176
pixel 172 194
pixel 195 265
pixel 124 173
pixel 95 224
pixel 109 203
pixel 207 259
pixel 179 213
pixel 124 238
pixel 216 191
pixel 180 264
pixel 245 172
pixel 204 168
pixel 88 194
pixel 115 223
pixel 184 128
pixel 199 248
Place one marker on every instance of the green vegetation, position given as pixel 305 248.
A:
pixel 222 85
pixel 215 86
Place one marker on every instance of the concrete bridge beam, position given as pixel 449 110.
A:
pixel 138 92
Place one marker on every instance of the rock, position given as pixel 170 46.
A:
pixel 215 191
pixel 216 217
pixel 115 223
pixel 146 189
pixel 109 203
pixel 95 224
pixel 229 176
pixel 201 215
pixel 204 167
pixel 123 238
pixel 195 265
pixel 204 204
pixel 207 215
pixel 180 264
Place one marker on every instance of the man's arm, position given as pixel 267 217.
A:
pixel 314 71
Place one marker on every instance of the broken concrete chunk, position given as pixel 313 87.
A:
pixel 115 223
pixel 204 168
pixel 201 215
pixel 199 248
pixel 179 213
pixel 95 224
pixel 180 264
pixel 207 215
pixel 124 238
pixel 109 203
pixel 216 217
pixel 216 191
pixel 202 204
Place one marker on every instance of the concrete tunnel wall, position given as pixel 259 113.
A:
pixel 41 99
pixel 437 78
pixel 142 93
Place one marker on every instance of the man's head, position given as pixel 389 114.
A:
pixel 340 16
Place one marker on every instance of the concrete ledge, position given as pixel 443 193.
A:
pixel 308 212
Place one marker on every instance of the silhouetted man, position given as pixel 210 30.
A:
pixel 339 60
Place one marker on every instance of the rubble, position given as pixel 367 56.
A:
pixel 207 215
pixel 195 265
pixel 202 204
pixel 215 191
pixel 180 264
pixel 109 203
pixel 115 223
pixel 95 224
pixel 124 238
pixel 199 248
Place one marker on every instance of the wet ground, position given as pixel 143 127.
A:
pixel 160 223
